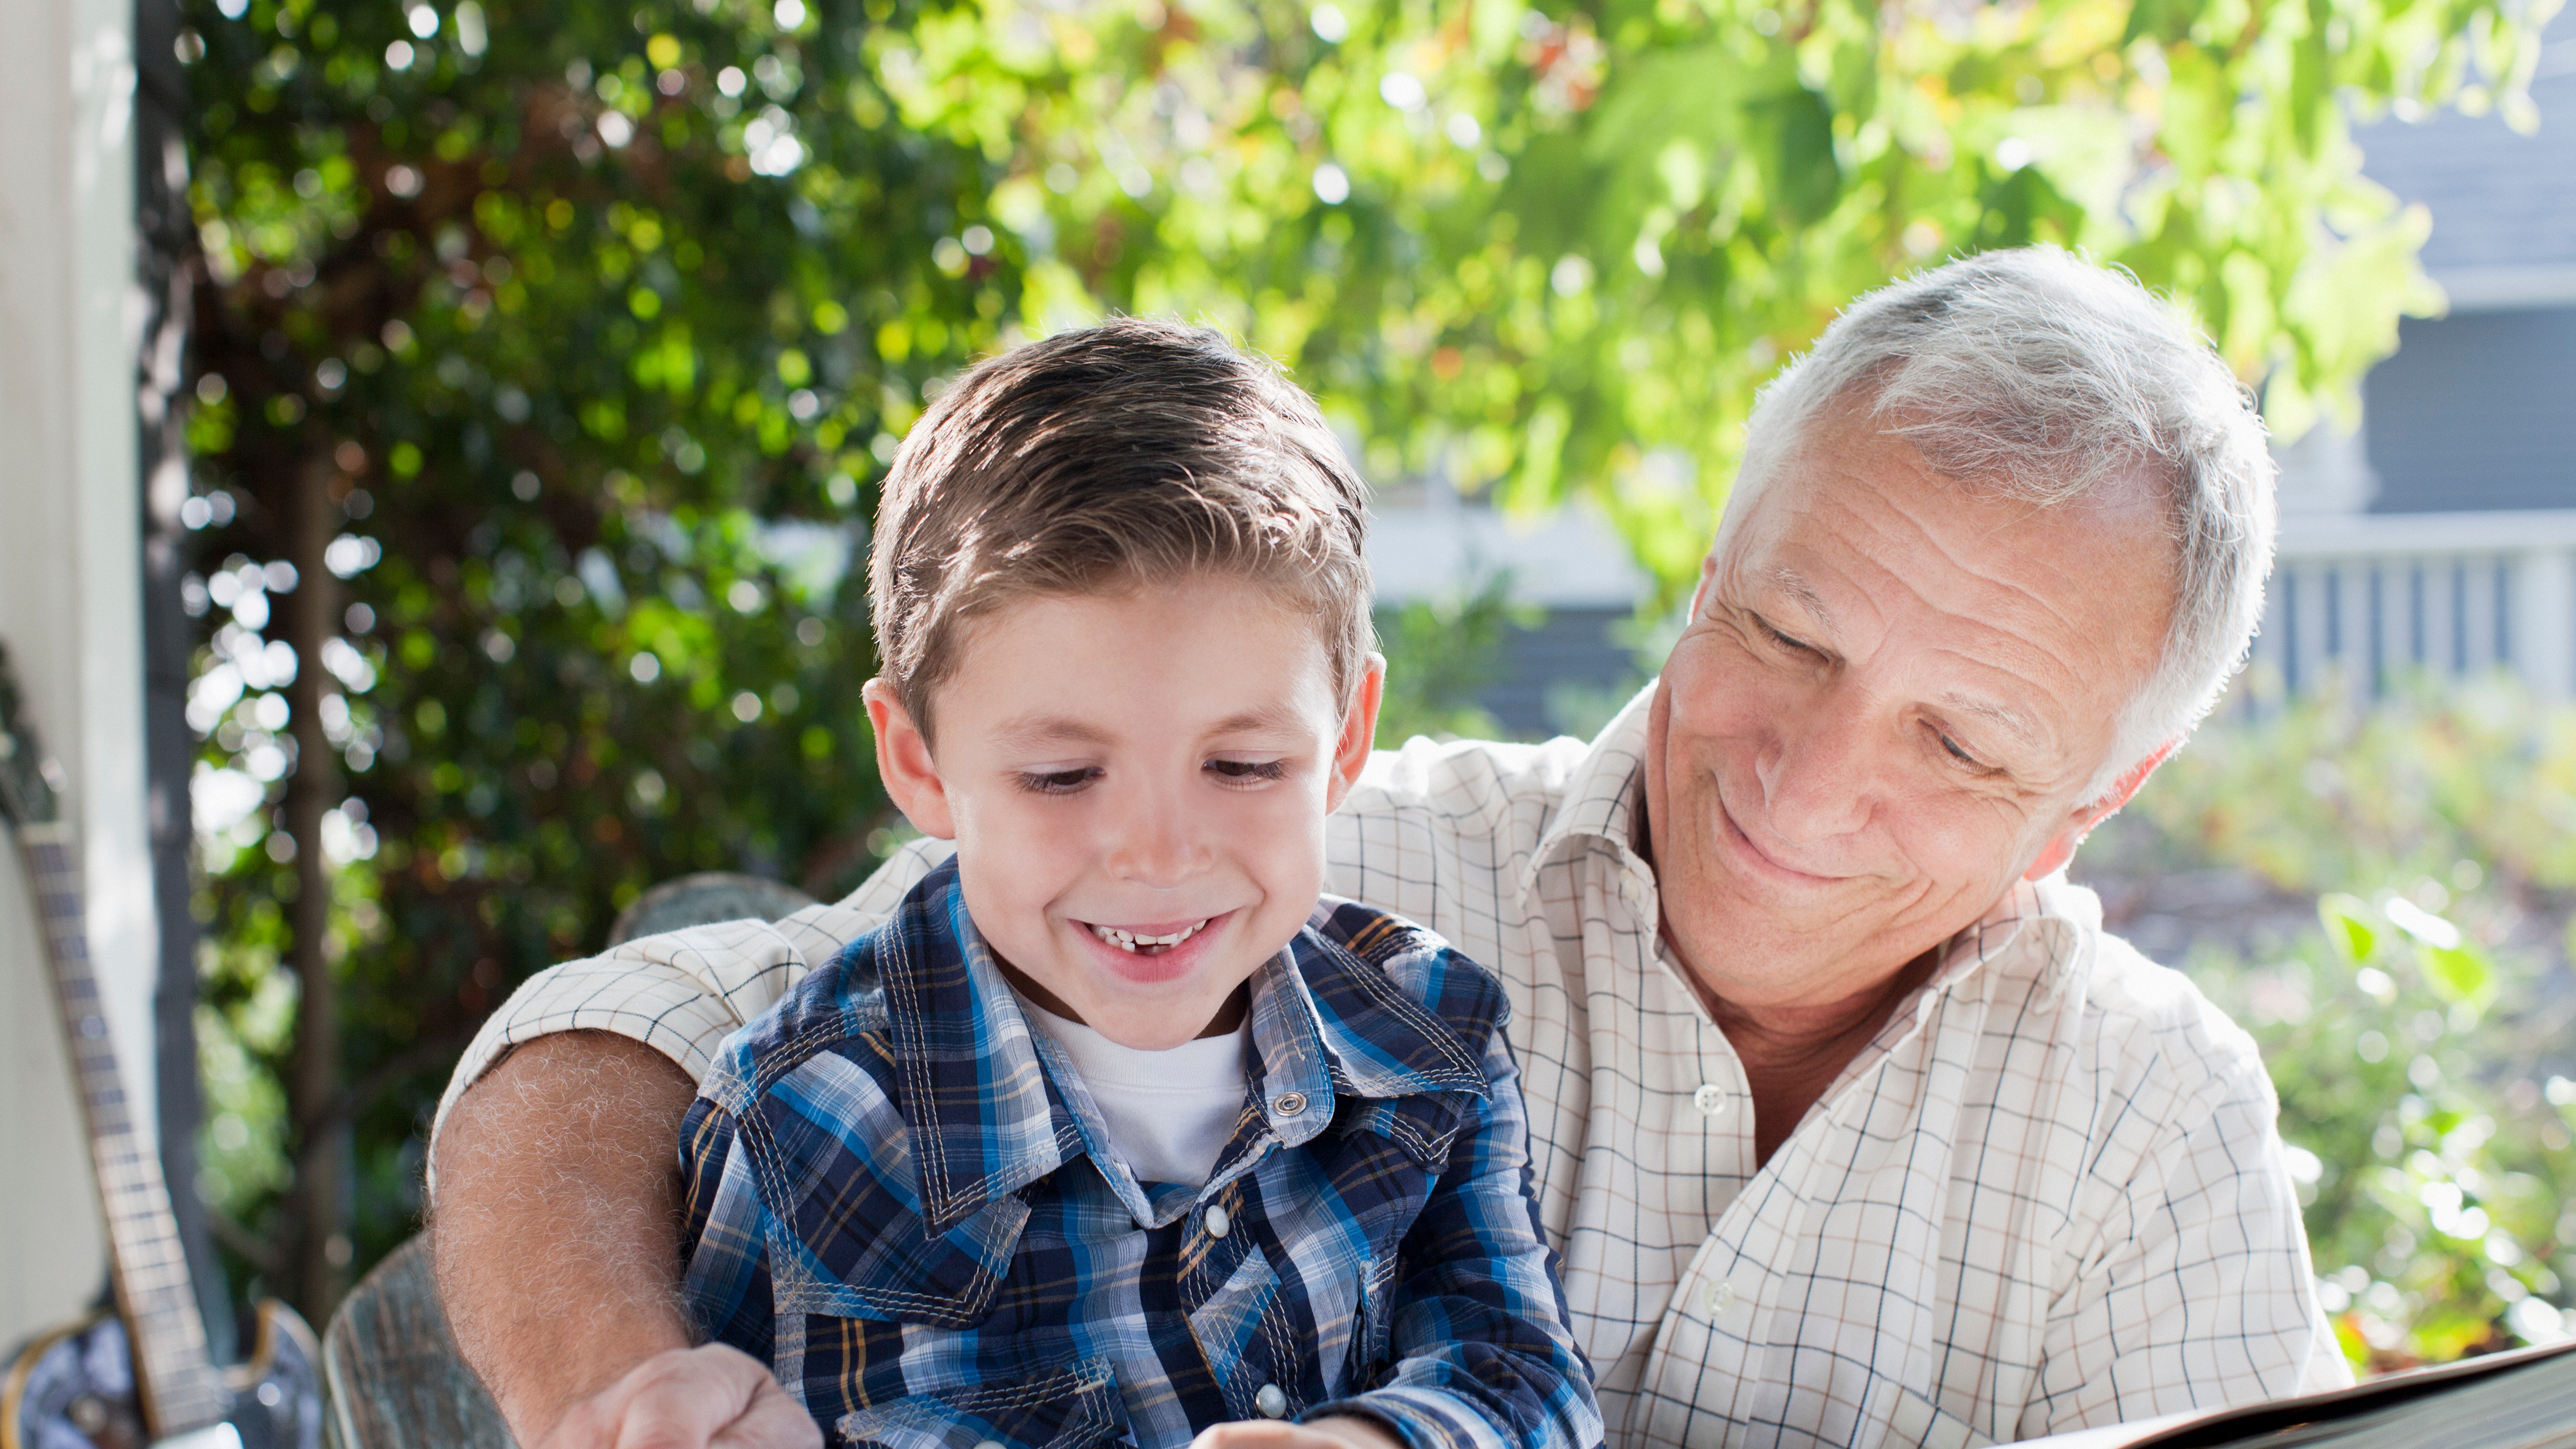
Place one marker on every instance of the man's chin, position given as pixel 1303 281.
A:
pixel 1752 952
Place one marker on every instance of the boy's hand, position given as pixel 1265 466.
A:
pixel 1333 1433
pixel 710 1397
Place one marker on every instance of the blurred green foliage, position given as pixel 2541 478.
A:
pixel 1439 654
pixel 2416 1024
pixel 590 327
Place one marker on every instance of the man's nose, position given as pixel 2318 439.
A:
pixel 1820 773
pixel 1154 840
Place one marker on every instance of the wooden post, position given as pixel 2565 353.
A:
pixel 321 1251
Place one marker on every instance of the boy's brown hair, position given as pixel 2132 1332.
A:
pixel 1101 460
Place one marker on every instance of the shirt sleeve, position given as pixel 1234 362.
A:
pixel 684 992
pixel 1484 1356
pixel 723 1236
pixel 2198 1292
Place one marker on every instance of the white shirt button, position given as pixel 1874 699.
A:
pixel 990 1444
pixel 1717 1297
pixel 1711 1099
pixel 1632 889
pixel 1219 1223
pixel 1272 1401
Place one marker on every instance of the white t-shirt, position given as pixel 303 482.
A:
pixel 1169 1112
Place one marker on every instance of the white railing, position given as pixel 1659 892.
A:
pixel 2372 597
pixel 2376 596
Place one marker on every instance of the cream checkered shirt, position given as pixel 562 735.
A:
pixel 2048 1195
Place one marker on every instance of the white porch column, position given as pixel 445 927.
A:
pixel 70 605
pixel 2544 621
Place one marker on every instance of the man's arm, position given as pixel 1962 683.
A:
pixel 554 1177
pixel 2197 1292
pixel 574 1131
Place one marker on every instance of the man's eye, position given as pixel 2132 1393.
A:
pixel 1799 646
pixel 1951 747
pixel 1057 782
pixel 1248 771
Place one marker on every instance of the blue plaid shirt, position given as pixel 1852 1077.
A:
pixel 906 1201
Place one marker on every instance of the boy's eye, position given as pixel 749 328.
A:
pixel 1248 771
pixel 1058 782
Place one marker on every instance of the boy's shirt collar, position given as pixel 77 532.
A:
pixel 993 1105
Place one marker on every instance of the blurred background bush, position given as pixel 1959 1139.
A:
pixel 545 357
pixel 2380 891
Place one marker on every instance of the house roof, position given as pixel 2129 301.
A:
pixel 2503 204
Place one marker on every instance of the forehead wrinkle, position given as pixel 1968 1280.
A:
pixel 1997 574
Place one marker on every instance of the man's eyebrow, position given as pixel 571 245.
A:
pixel 1790 582
pixel 2011 720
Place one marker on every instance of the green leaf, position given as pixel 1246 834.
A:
pixel 2348 927
pixel 2459 973
pixel 2164 20
pixel 1794 149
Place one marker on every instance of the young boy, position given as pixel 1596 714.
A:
pixel 1112 1133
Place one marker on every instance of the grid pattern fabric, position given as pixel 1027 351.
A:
pixel 2048 1195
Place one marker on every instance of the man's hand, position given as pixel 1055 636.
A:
pixel 1339 1432
pixel 711 1397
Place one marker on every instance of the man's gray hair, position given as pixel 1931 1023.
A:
pixel 2039 375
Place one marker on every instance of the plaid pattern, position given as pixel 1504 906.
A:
pixel 2048 1195
pixel 906 1201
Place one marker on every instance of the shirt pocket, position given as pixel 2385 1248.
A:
pixel 846 1239
pixel 1072 1407
pixel 903 1273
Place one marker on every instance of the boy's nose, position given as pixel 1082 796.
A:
pixel 1155 844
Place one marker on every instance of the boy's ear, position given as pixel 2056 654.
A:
pixel 903 762
pixel 1359 733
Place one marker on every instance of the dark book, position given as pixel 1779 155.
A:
pixel 2520 1400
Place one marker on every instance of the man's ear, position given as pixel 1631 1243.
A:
pixel 1359 733
pixel 903 762
pixel 2061 846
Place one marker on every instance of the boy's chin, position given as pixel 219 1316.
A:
pixel 1164 1000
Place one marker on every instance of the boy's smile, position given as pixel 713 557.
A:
pixel 1137 784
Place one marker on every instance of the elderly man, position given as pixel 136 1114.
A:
pixel 1850 1123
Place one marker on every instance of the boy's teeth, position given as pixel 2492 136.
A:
pixel 1131 941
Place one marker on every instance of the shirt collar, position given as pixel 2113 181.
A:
pixel 2051 917
pixel 1603 795
pixel 993 1105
